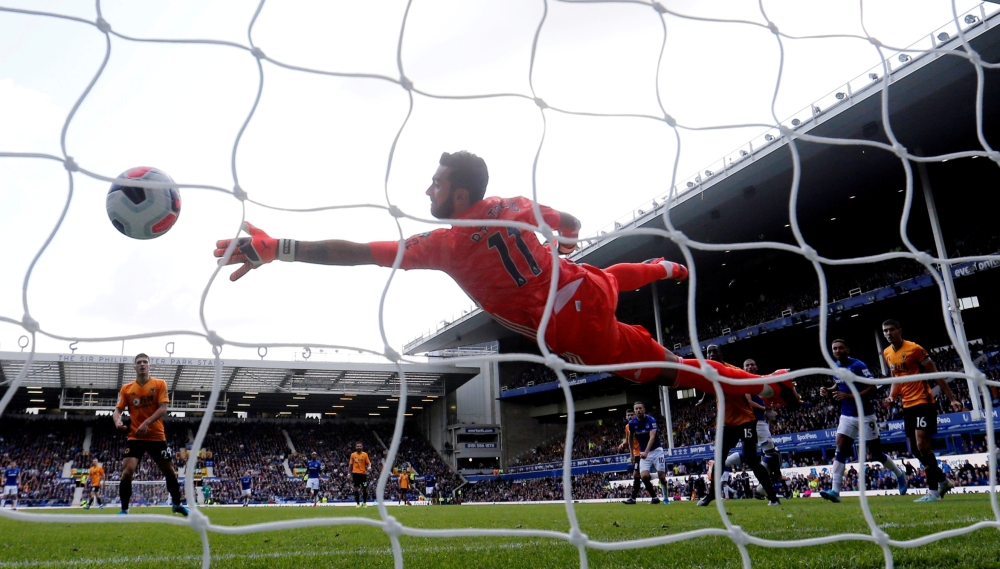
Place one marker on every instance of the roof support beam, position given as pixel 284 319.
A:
pixel 62 376
pixel 177 378
pixel 121 375
pixel 232 376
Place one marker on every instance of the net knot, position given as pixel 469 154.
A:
pixel 214 339
pixel 392 527
pixel 739 536
pixel 810 254
pixel 30 324
pixel 405 83
pixel 659 7
pixel 845 375
pixel 979 377
pixel 199 521
pixel 899 149
pixel 70 164
pixel 881 537
pixel 785 131
pixel 258 52
pixel 874 42
pixel 774 28
pixel 975 59
pixel 995 156
pixel 103 25
pixel 541 104
pixel 239 193
pixel 554 362
pixel 679 238
pixel 671 121
pixel 391 354
pixel 578 538
pixel 395 211
pixel 924 258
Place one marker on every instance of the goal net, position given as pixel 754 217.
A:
pixel 519 80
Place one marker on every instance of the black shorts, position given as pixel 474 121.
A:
pixel 747 432
pixel 920 418
pixel 95 489
pixel 157 450
pixel 359 479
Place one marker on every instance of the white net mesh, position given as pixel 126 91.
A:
pixel 955 35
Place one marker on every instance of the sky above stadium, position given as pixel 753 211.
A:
pixel 319 141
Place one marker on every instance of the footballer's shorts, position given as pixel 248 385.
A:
pixel 10 490
pixel 764 440
pixel 920 418
pixel 312 483
pixel 359 479
pixel 95 489
pixel 157 450
pixel 653 462
pixel 851 427
pixel 247 492
pixel 747 433
pixel 584 329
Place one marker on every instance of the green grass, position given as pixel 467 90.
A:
pixel 25 544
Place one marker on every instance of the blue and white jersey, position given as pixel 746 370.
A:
pixel 313 467
pixel 641 429
pixel 759 413
pixel 246 482
pixel 848 407
pixel 10 476
pixel 429 480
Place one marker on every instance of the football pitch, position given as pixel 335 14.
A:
pixel 143 545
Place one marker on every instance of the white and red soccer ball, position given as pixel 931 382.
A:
pixel 143 213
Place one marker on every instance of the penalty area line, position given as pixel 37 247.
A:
pixel 262 556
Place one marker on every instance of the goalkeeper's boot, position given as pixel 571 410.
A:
pixel 179 509
pixel 675 271
pixel 930 496
pixel 944 486
pixel 830 495
pixel 904 485
pixel 357 505
pixel 364 504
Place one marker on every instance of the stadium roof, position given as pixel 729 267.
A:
pixel 79 381
pixel 932 107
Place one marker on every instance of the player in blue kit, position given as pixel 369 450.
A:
pixel 643 428
pixel 849 425
pixel 312 481
pixel 11 477
pixel 246 483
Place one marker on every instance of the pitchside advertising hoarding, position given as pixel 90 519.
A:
pixel 891 431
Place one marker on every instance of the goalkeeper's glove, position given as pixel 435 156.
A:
pixel 255 250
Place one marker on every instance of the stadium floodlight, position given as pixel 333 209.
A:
pixel 744 153
pixel 769 137
pixel 796 122
pixel 903 58
pixel 642 212
pixel 708 173
pixel 943 36
pixel 697 179
pixel 690 184
pixel 841 96
pixel 656 204
pixel 873 76
pixel 970 19
pixel 817 110
pixel 618 225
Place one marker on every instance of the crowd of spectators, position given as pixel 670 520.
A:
pixel 41 448
pixel 537 374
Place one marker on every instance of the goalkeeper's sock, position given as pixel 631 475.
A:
pixel 357 496
pixel 631 276
pixel 636 484
pixel 364 495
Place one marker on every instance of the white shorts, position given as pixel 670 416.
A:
pixel 764 440
pixel 10 490
pixel 312 483
pixel 430 490
pixel 849 427
pixel 653 461
pixel 247 492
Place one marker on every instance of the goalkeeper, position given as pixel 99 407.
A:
pixel 508 272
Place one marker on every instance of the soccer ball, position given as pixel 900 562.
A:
pixel 143 213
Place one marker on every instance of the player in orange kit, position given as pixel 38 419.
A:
pixel 96 475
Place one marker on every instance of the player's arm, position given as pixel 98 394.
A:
pixel 260 248
pixel 160 411
pixel 649 444
pixel 753 404
pixel 927 366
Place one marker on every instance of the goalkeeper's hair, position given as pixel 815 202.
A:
pixel 466 170
pixel 140 355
